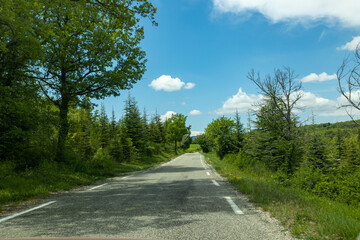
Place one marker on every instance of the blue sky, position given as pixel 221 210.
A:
pixel 200 54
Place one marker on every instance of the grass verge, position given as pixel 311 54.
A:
pixel 50 177
pixel 305 215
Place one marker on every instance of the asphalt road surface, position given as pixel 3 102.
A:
pixel 182 199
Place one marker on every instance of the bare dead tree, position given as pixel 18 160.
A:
pixel 283 90
pixel 348 76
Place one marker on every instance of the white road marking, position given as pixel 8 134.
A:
pixel 215 183
pixel 234 207
pixel 97 186
pixel 208 173
pixel 21 213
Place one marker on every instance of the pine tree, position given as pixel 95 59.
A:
pixel 133 124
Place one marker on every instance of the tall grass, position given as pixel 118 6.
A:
pixel 304 214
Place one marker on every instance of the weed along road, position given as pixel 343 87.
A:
pixel 181 199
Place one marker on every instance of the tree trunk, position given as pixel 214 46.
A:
pixel 63 129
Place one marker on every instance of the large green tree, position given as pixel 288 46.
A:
pixel 89 48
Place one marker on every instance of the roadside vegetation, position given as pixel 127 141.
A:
pixel 97 147
pixel 56 57
pixel 304 214
pixel 307 176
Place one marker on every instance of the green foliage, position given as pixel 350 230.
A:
pixel 175 128
pixel 103 160
pixel 305 214
pixel 185 141
pixel 204 142
pixel 193 148
pixel 222 132
pixel 134 126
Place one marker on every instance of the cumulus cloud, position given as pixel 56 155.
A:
pixel 352 45
pixel 167 115
pixel 196 133
pixel 195 112
pixel 241 102
pixel 169 84
pixel 322 77
pixel 189 85
pixel 311 101
pixel 345 12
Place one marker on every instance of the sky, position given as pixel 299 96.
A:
pixel 200 53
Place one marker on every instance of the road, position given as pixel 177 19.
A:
pixel 181 199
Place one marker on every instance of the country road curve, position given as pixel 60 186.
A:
pixel 181 199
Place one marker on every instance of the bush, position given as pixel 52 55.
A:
pixel 102 160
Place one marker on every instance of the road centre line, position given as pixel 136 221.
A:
pixel 26 211
pixel 215 183
pixel 234 207
pixel 97 186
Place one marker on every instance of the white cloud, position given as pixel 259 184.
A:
pixel 167 115
pixel 169 84
pixel 352 45
pixel 315 103
pixel 189 85
pixel 322 77
pixel 345 12
pixel 241 102
pixel 196 133
pixel 195 112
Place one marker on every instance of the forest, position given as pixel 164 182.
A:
pixel 56 57
pixel 320 158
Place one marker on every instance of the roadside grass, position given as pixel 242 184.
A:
pixel 305 215
pixel 193 148
pixel 50 177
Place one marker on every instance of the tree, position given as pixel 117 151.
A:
pixel 276 115
pixel 19 102
pixel 204 142
pixel 134 124
pixel 282 91
pixel 222 132
pixel 239 131
pixel 104 127
pixel 176 128
pixel 89 48
pixel 348 76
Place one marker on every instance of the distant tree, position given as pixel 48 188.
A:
pixel 89 48
pixel 205 143
pixel 176 128
pixel 223 134
pixel 239 131
pixel 104 127
pixel 186 141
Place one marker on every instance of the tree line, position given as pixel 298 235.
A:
pixel 318 159
pixel 57 56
